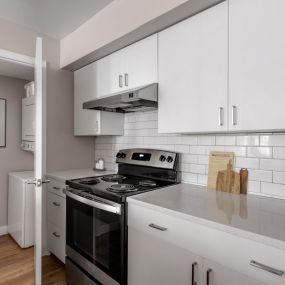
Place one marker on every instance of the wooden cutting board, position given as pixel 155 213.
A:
pixel 218 161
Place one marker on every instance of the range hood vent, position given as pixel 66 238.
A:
pixel 143 98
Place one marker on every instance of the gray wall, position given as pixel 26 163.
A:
pixel 64 151
pixel 12 158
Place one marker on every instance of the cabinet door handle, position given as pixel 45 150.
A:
pixel 234 115
pixel 56 204
pixel 157 227
pixel 126 79
pixel 221 116
pixel 56 188
pixel 97 126
pixel 121 81
pixel 209 271
pixel 267 268
pixel 194 265
pixel 56 234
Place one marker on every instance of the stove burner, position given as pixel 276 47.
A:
pixel 90 181
pixel 147 183
pixel 122 188
pixel 113 178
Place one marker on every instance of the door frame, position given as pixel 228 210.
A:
pixel 21 59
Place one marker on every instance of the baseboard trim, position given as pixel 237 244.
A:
pixel 3 230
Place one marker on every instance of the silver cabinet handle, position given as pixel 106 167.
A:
pixel 194 265
pixel 234 115
pixel 56 234
pixel 56 204
pixel 157 227
pixel 126 79
pixel 121 81
pixel 97 126
pixel 209 271
pixel 267 268
pixel 56 188
pixel 221 116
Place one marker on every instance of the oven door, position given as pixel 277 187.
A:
pixel 95 237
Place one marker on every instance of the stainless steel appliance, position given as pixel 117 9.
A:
pixel 142 98
pixel 96 228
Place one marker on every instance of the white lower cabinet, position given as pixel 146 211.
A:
pixel 166 250
pixel 56 214
pixel 154 261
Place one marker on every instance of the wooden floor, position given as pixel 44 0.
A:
pixel 17 265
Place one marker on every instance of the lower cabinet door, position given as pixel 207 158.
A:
pixel 215 274
pixel 56 241
pixel 153 261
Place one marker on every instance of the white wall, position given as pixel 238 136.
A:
pixel 262 154
pixel 64 151
pixel 12 158
pixel 115 20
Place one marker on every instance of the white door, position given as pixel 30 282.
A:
pixel 256 65
pixel 215 274
pixel 39 156
pixel 154 261
pixel 192 73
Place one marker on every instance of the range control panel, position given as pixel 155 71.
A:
pixel 148 157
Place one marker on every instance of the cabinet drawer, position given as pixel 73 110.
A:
pixel 226 249
pixel 56 207
pixel 57 187
pixel 56 241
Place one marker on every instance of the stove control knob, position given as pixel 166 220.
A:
pixel 123 155
pixel 169 159
pixel 119 155
pixel 162 158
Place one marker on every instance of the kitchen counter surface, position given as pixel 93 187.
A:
pixel 76 173
pixel 250 216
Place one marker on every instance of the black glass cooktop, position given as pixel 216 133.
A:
pixel 116 187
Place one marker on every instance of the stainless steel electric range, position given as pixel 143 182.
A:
pixel 96 213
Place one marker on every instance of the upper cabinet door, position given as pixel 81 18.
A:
pixel 85 89
pixel 256 65
pixel 193 73
pixel 141 63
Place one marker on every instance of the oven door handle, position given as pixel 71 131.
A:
pixel 97 203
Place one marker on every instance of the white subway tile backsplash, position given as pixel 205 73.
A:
pixel 272 164
pixel 279 177
pixel 272 140
pixel 263 155
pixel 262 152
pixel 244 162
pixel 225 140
pixel 248 140
pixel 279 152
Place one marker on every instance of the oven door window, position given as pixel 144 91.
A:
pixel 95 234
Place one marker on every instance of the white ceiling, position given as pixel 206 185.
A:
pixel 56 18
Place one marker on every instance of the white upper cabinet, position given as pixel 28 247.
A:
pixel 192 57
pixel 141 63
pixel 256 65
pixel 133 66
pixel 91 122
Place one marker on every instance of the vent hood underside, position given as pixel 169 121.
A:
pixel 143 98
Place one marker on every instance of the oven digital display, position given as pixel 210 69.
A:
pixel 141 156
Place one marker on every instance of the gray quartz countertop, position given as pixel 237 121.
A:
pixel 76 173
pixel 250 216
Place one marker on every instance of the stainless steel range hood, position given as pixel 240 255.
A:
pixel 142 98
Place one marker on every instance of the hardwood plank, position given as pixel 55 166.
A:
pixel 17 265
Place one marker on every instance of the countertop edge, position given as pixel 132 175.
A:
pixel 279 244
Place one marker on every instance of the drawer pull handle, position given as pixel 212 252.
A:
pixel 56 188
pixel 194 265
pixel 267 268
pixel 157 227
pixel 56 204
pixel 56 234
pixel 209 271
